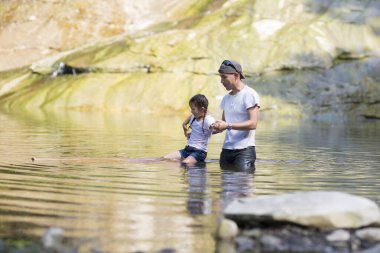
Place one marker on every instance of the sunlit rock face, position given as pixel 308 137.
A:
pixel 305 58
pixel 32 30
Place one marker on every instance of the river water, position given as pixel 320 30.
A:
pixel 99 177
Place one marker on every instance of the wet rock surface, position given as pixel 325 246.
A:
pixel 320 209
pixel 307 222
pixel 291 238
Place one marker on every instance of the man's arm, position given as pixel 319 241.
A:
pixel 250 124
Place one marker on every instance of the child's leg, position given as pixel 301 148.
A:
pixel 173 156
pixel 190 159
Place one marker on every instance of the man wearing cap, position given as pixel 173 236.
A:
pixel 240 117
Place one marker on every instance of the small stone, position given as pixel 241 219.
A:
pixel 167 250
pixel 53 237
pixel 338 236
pixel 244 244
pixel 355 244
pixel 227 229
pixel 375 249
pixel 272 244
pixel 370 234
pixel 255 233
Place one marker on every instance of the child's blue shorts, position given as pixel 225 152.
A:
pixel 198 154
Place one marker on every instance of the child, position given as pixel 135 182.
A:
pixel 197 140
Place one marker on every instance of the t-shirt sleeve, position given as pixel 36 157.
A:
pixel 251 100
pixel 223 103
pixel 208 121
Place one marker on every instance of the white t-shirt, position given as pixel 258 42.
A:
pixel 199 138
pixel 235 110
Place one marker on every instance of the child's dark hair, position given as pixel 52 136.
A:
pixel 199 101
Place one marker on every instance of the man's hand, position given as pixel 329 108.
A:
pixel 219 126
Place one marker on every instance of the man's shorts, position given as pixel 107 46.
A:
pixel 198 154
pixel 238 159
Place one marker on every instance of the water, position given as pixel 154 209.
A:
pixel 99 178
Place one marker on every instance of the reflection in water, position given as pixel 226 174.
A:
pixel 199 200
pixel 235 184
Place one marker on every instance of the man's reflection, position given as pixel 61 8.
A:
pixel 199 201
pixel 235 184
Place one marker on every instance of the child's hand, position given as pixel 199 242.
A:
pixel 217 127
pixel 185 128
pixel 186 131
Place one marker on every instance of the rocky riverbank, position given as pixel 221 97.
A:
pixel 309 222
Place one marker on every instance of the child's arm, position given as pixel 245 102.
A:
pixel 185 127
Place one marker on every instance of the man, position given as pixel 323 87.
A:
pixel 240 117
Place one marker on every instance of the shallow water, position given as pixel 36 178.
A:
pixel 99 176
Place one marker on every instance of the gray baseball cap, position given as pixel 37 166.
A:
pixel 231 67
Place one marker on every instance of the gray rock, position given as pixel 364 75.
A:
pixel 370 234
pixel 255 233
pixel 375 249
pixel 227 229
pixel 53 237
pixel 272 244
pixel 167 250
pixel 321 209
pixel 245 244
pixel 338 235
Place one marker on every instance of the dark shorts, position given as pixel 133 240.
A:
pixel 238 159
pixel 198 154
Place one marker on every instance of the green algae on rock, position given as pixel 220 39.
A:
pixel 317 58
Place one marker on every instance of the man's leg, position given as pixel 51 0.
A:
pixel 245 160
pixel 226 159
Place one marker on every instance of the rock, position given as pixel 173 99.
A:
pixel 324 66
pixel 167 250
pixel 227 229
pixel 245 244
pixel 272 244
pixel 255 233
pixel 320 209
pixel 375 249
pixel 338 235
pixel 370 234
pixel 53 237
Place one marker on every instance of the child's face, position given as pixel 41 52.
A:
pixel 197 111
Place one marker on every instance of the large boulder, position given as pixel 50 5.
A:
pixel 320 209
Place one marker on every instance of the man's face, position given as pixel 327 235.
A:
pixel 228 80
